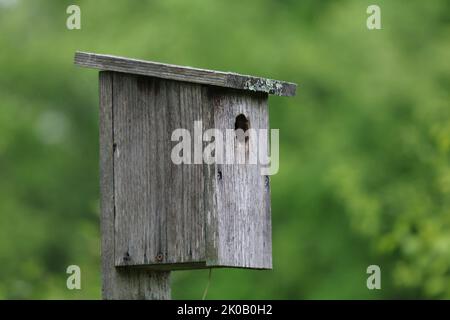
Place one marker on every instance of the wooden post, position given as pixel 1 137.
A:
pixel 158 215
pixel 119 283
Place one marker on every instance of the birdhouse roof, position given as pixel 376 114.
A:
pixel 183 73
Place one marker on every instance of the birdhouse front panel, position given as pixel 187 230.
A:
pixel 242 192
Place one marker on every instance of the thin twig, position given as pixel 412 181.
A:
pixel 207 285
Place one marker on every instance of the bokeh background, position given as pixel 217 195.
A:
pixel 365 145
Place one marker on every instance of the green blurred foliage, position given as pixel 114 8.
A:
pixel 365 145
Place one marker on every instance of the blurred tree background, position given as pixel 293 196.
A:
pixel 365 145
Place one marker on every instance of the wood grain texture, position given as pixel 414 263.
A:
pixel 182 73
pixel 160 206
pixel 172 216
pixel 242 193
pixel 119 283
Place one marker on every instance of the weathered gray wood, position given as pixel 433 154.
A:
pixel 172 216
pixel 159 205
pixel 181 73
pixel 119 283
pixel 242 193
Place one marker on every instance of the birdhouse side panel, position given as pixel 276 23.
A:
pixel 159 205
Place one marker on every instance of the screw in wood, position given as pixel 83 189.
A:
pixel 126 257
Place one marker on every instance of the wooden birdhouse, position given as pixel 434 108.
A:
pixel 164 215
